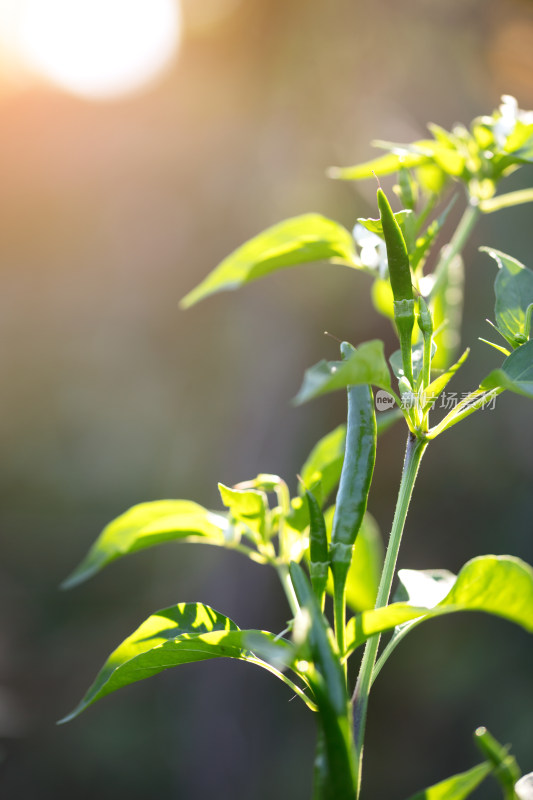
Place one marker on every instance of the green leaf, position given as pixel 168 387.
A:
pixel 443 154
pixel 439 384
pixel 324 464
pixel 298 240
pixel 149 524
pixel 515 374
pixel 248 506
pixel 426 240
pixel 405 219
pixel 499 585
pixel 514 293
pixel 367 560
pixel 382 297
pixel 366 365
pixel 458 787
pixel 365 569
pixel 181 634
pixel 383 165
pixel 519 143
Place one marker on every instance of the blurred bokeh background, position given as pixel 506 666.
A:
pixel 119 191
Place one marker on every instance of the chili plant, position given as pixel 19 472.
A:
pixel 318 547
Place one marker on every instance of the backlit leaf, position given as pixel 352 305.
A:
pixel 515 374
pixel 181 634
pixel 146 525
pixel 366 365
pixel 382 165
pixel 499 585
pixel 298 240
pixel 514 293
pixel 458 787
pixel 246 505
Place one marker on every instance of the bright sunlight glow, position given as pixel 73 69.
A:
pixel 99 48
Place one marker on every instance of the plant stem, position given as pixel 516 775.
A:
pixel 456 244
pixel 339 612
pixel 413 456
pixel 285 578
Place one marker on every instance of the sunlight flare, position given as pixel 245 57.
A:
pixel 99 48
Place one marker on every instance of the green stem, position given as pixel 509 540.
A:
pixel 456 244
pixel 339 612
pixel 413 456
pixel 285 578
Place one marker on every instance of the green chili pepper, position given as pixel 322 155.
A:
pixel 318 549
pixel 397 256
pixel 400 280
pixel 360 454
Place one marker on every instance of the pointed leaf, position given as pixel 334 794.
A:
pixel 177 635
pixel 324 463
pixel 439 384
pixel 366 366
pixel 405 219
pixel 383 165
pixel 514 293
pixel 499 585
pixel 146 525
pixel 426 240
pixel 298 240
pixel 458 787
pixel 515 374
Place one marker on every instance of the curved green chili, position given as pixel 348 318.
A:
pixel 318 549
pixel 400 280
pixel 356 476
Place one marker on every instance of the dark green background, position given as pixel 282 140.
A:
pixel 109 213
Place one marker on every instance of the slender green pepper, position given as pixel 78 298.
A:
pixel 360 454
pixel 400 280
pixel 359 458
pixel 318 549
